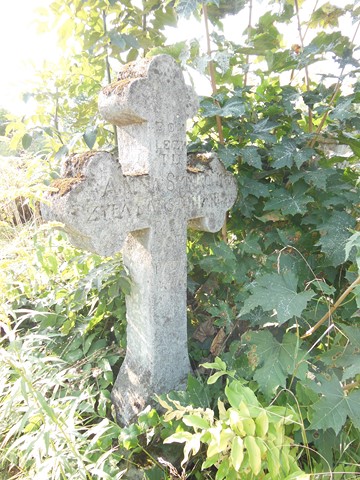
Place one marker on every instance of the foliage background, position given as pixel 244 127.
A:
pixel 273 300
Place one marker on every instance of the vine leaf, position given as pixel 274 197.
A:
pixel 186 7
pixel 290 202
pixel 273 360
pixel 334 406
pixel 334 236
pixel 287 153
pixel 251 156
pixel 278 292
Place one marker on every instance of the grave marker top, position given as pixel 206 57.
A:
pixel 142 205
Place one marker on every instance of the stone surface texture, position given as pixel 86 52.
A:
pixel 142 204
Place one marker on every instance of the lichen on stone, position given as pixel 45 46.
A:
pixel 75 163
pixel 64 185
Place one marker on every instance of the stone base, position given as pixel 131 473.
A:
pixel 135 389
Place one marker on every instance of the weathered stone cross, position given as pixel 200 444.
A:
pixel 142 204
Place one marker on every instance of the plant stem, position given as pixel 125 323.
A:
pixel 214 91
pixel 249 29
pixel 108 71
pixel 333 308
pixel 307 78
pixel 333 97
pixel 212 73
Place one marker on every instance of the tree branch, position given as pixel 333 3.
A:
pixel 332 309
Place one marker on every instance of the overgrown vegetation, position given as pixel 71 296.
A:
pixel 273 301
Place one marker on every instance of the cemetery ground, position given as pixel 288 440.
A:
pixel 272 301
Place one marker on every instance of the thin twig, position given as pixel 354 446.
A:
pixel 333 98
pixel 303 38
pixel 333 308
pixel 214 91
pixel 108 71
pixel 249 32
pixel 307 78
pixel 212 72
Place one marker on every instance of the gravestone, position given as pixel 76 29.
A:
pixel 142 204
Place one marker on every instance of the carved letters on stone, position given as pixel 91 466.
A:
pixel 142 204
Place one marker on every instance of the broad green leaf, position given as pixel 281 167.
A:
pixel 335 235
pixel 261 131
pixel 352 141
pixel 343 109
pixel 223 469
pixel 179 437
pixel 233 107
pixel 317 178
pixel 196 421
pixel 118 40
pixel 250 244
pixel 284 153
pixel 249 186
pixel 213 378
pixel 352 243
pixel 237 452
pixel 251 156
pixel 210 461
pixel 228 155
pixel 254 454
pixel 90 136
pixel 289 202
pixel 186 7
pixel 278 292
pixel 326 16
pixel 217 365
pixel 26 141
pixel 223 261
pixel 275 361
pixel 237 393
pixel 333 408
pixel 330 42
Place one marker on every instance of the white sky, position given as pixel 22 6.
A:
pixel 23 50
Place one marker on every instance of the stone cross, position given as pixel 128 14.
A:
pixel 142 204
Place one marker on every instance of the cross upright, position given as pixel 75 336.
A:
pixel 142 204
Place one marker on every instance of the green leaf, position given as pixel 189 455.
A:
pixel 330 42
pixel 254 454
pixel 233 107
pixel 343 110
pixel 250 244
pixel 317 178
pixel 333 408
pixel 26 141
pixel 351 243
pixel 251 156
pixel 237 393
pixel 290 202
pixel 335 235
pixel 249 186
pixel 326 16
pixel 186 7
pixel 228 155
pixel 196 421
pixel 237 452
pixel 275 361
pixel 261 131
pixel 118 40
pixel 353 142
pixel 90 136
pixel 278 292
pixel 179 437
pixel 284 154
